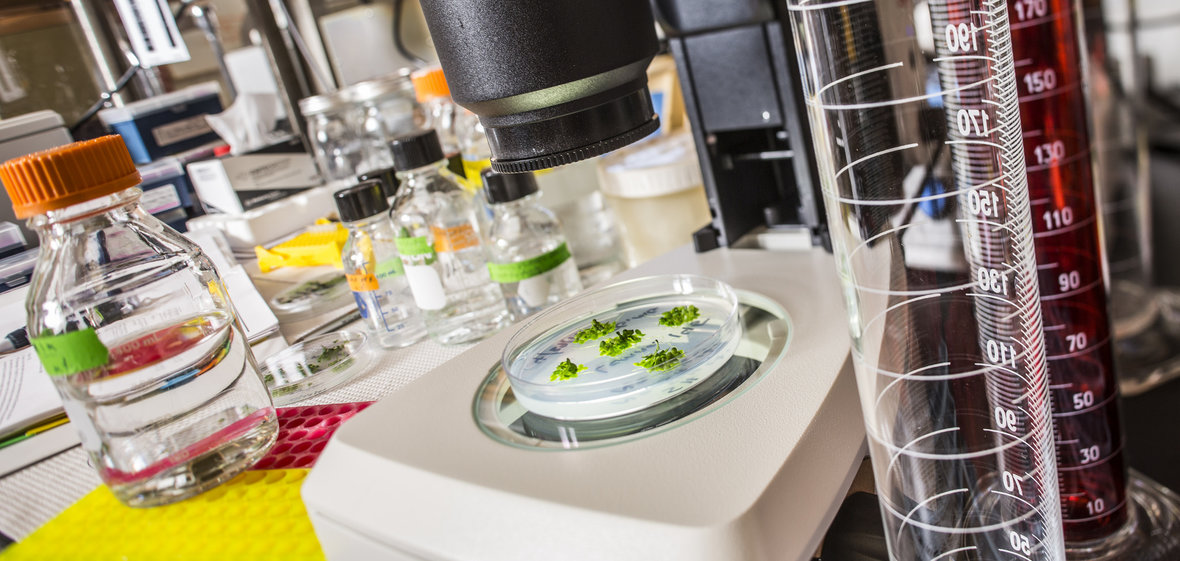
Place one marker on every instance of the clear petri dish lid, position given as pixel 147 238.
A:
pixel 322 293
pixel 606 352
pixel 315 366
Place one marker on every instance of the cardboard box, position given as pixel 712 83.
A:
pixel 235 184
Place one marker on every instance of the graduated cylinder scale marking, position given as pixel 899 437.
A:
pixel 914 114
pixel 1073 303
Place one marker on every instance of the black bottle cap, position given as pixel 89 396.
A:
pixel 361 201
pixel 387 177
pixel 416 149
pixel 507 187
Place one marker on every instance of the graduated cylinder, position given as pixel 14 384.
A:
pixel 913 108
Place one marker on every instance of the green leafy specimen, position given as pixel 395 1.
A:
pixel 679 315
pixel 661 360
pixel 622 341
pixel 593 332
pixel 566 371
pixel 311 288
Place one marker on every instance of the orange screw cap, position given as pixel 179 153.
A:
pixel 429 84
pixel 67 175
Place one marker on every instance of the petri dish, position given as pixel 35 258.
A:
pixel 609 386
pixel 315 366
pixel 319 294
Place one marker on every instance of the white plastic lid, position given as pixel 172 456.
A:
pixel 661 166
pixel 136 108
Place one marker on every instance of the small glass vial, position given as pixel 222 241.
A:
pixel 132 323
pixel 374 269
pixel 440 246
pixel 527 252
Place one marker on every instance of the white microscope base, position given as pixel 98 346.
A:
pixel 760 478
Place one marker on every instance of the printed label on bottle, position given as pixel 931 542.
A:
pixel 534 291
pixel 426 286
pixel 412 247
pixel 71 352
pixel 362 281
pixel 504 273
pixel 455 238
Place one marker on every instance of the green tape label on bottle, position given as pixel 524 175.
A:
pixel 71 353
pixel 419 245
pixel 390 268
pixel 515 272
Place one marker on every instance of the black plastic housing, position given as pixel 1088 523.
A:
pixel 553 81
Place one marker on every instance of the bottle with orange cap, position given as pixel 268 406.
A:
pixel 443 115
pixel 132 323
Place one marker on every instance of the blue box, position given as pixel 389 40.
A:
pixel 160 126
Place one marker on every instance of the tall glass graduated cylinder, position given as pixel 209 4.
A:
pixel 917 133
pixel 133 324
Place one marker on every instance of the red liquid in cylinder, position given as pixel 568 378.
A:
pixel 1069 264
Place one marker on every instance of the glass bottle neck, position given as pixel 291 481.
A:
pixel 108 209
pixel 514 205
pixel 420 177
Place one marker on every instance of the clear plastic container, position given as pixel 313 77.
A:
pixel 132 322
pixel 315 366
pixel 615 385
pixel 320 294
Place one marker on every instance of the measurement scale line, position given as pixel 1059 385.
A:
pixel 973 142
pixel 857 75
pixel 912 200
pixel 1055 327
pixel 893 460
pixel 1095 463
pixel 964 57
pixel 925 502
pixel 1032 133
pixel 1048 266
pixel 1081 352
pixel 900 101
pixel 803 7
pixel 1065 386
pixel 1067 88
pixel 907 376
pixel 1064 161
pixel 896 306
pixel 1072 227
pixel 954 551
pixel 923 292
pixel 1073 292
pixel 995 492
pixel 1014 553
pixel 955 456
pixel 940 378
pixel 1090 409
pixel 1034 22
pixel 1103 514
pixel 871 156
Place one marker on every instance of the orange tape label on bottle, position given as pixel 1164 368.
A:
pixel 455 238
pixel 362 282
